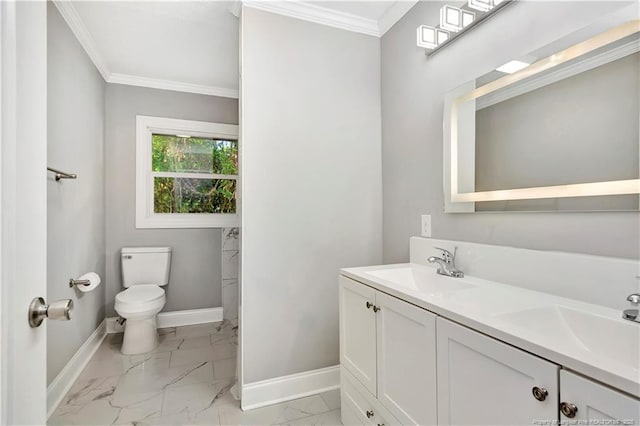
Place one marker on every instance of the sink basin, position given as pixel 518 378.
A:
pixel 615 340
pixel 423 279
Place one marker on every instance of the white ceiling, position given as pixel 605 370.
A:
pixel 192 46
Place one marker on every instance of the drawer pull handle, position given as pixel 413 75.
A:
pixel 369 305
pixel 568 409
pixel 369 413
pixel 539 393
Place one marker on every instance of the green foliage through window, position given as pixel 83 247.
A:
pixel 194 156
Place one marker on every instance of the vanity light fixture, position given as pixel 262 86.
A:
pixel 467 18
pixel 183 136
pixel 450 18
pixel 481 5
pixel 512 67
pixel 455 21
pixel 430 37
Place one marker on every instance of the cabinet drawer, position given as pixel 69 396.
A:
pixel 356 400
pixel 359 401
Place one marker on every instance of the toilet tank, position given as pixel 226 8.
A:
pixel 145 265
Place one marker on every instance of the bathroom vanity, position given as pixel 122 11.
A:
pixel 418 348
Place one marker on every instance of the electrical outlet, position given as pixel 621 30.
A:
pixel 426 225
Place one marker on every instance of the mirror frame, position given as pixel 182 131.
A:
pixel 619 187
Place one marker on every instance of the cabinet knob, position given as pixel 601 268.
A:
pixel 369 413
pixel 376 308
pixel 539 393
pixel 568 409
pixel 369 305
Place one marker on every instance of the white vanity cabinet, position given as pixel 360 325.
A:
pixel 482 381
pixel 402 364
pixel 588 402
pixel 387 349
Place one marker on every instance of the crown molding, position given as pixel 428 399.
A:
pixel 394 14
pixel 176 86
pixel 73 20
pixel 318 14
pixel 75 23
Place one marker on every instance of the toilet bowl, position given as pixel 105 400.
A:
pixel 144 271
pixel 140 305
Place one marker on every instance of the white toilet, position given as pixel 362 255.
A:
pixel 144 271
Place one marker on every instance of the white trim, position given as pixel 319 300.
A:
pixel 190 317
pixel 286 388
pixel 145 216
pixel 572 69
pixel 70 373
pixel 74 21
pixel 176 86
pixel 175 319
pixel 394 14
pixel 319 15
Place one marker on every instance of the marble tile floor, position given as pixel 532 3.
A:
pixel 185 381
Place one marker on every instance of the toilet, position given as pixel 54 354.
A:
pixel 145 270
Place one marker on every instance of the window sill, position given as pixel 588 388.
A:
pixel 195 220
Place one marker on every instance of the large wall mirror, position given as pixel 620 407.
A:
pixel 557 129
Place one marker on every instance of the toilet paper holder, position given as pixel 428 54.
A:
pixel 75 283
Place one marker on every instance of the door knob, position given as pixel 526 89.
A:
pixel 568 409
pixel 39 310
pixel 369 413
pixel 369 305
pixel 539 393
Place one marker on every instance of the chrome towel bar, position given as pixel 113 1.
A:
pixel 61 174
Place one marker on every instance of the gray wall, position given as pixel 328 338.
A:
pixel 413 87
pixel 195 280
pixel 311 185
pixel 75 208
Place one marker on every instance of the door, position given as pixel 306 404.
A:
pixel 482 381
pixel 587 402
pixel 406 360
pixel 23 153
pixel 358 331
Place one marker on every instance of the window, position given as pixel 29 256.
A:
pixel 186 173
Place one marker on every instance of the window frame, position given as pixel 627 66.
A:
pixel 146 218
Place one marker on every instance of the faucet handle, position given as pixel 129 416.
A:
pixel 447 255
pixel 634 298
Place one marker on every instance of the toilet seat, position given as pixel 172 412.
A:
pixel 140 298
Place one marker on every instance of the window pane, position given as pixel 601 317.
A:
pixel 182 195
pixel 194 155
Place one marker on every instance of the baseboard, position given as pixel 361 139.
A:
pixel 286 388
pixel 176 318
pixel 69 374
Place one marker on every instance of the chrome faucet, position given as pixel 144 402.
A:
pixel 447 264
pixel 632 314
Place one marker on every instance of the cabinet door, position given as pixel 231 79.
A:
pixel 406 361
pixel 358 331
pixel 482 381
pixel 595 403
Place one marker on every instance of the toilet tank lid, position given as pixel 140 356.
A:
pixel 130 250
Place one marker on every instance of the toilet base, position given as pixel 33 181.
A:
pixel 140 336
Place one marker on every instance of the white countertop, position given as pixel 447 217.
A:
pixel 589 339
